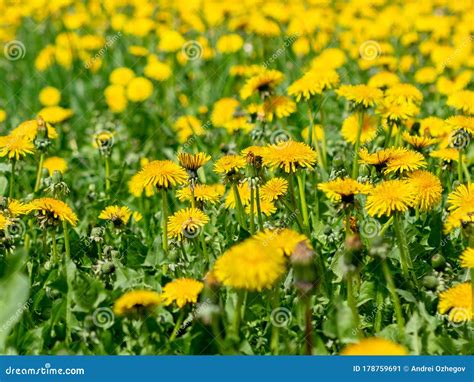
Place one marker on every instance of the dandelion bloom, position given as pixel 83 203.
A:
pixel 55 114
pixel 274 189
pixel 374 346
pixel 350 128
pixel 51 210
pixel 289 156
pixel 49 96
pixel 229 164
pixel 121 76
pixel 116 214
pixel 284 240
pixel 343 189
pixel 462 197
pixel 15 147
pixel 4 222
pixel 249 265
pixel 362 95
pixel 457 303
pixel 181 291
pixel 389 197
pixel 202 193
pixel 136 300
pixel 428 189
pixel 313 82
pixel 187 222
pixel 139 89
pixel 393 160
pixel 187 126
pixel 53 164
pixel 278 106
pixel 159 174
pixel 193 162
pixel 262 83
pixel 419 142
pixel 447 154
pixel 266 206
pixel 462 100
pixel 404 93
pixel 467 258
pixel 391 111
pixel 14 208
pixel 229 43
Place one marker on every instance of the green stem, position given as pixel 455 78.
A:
pixel 355 164
pixel 67 259
pixel 378 315
pixel 239 206
pixel 12 178
pixel 53 244
pixel 164 221
pixel 405 259
pixel 252 209
pixel 351 301
pixel 204 247
pixel 107 174
pixel 259 208
pixel 304 207
pixel 395 299
pixel 39 172
pixel 238 313
pixel 308 328
pixel 177 326
pixel 275 339
pixel 460 166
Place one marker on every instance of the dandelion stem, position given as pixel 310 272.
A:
pixel 39 172
pixel 12 178
pixel 355 164
pixel 107 174
pixel 164 220
pixel 460 166
pixel 67 259
pixel 259 208
pixel 304 207
pixel 308 329
pixel 396 301
pixel 351 301
pixel 238 313
pixel 378 315
pixel 53 245
pixel 405 259
pixel 252 209
pixel 177 326
pixel 275 339
pixel 239 206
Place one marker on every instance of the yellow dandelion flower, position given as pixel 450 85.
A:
pixel 159 174
pixel 389 197
pixel 428 189
pixel 447 154
pixel 15 147
pixel 262 83
pixel 55 114
pixel 374 346
pixel 350 128
pixel 383 80
pixel 392 111
pixel 136 301
pixel 266 206
pixel 249 265
pixel 139 89
pixel 117 215
pixel 202 193
pixel 403 93
pixel 402 160
pixel 187 126
pixel 467 258
pixel 289 156
pixel 313 82
pixel 49 96
pixel 181 291
pixel 52 211
pixel 230 43
pixel 224 111
pixel 284 240
pixel 244 193
pixel 419 142
pixel 4 222
pixel 187 222
pixel 278 106
pixel 461 198
pixel 343 190
pixel 461 122
pixel 229 164
pixel 457 303
pixel 274 189
pixel 462 100
pixel 53 164
pixel 459 218
pixel 193 162
pixel 121 76
pixel 14 208
pixel 362 95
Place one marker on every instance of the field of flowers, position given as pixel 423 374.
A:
pixel 236 177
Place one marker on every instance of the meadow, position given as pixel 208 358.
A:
pixel 199 177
